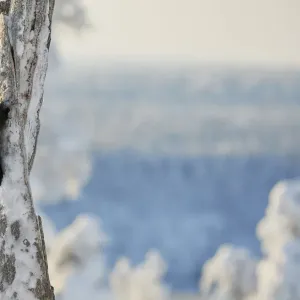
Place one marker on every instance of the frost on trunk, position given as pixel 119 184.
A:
pixel 24 43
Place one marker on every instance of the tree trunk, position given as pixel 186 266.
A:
pixel 24 43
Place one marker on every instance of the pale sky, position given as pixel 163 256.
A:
pixel 226 31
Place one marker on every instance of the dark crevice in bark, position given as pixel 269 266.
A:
pixel 33 21
pixel 13 57
pixel 50 14
pixel 4 111
pixel 4 7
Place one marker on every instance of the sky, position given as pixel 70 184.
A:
pixel 260 32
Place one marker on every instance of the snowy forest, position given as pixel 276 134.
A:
pixel 167 183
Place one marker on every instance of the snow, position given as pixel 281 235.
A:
pixel 20 43
pixel 33 125
pixel 279 233
pixel 233 274
pixel 230 274
pixel 72 249
pixel 158 130
pixel 155 194
pixel 141 282
pixel 16 214
pixel 22 245
pixel 77 267
pixel 71 14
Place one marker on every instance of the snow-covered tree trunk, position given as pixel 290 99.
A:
pixel 24 43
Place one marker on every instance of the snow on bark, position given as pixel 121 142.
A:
pixel 24 44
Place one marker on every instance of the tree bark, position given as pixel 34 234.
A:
pixel 25 30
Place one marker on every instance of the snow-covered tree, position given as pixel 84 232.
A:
pixel 278 272
pixel 75 259
pixel 229 275
pixel 71 14
pixel 24 44
pixel 143 282
pixel 233 274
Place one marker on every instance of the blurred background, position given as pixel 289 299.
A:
pixel 165 125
